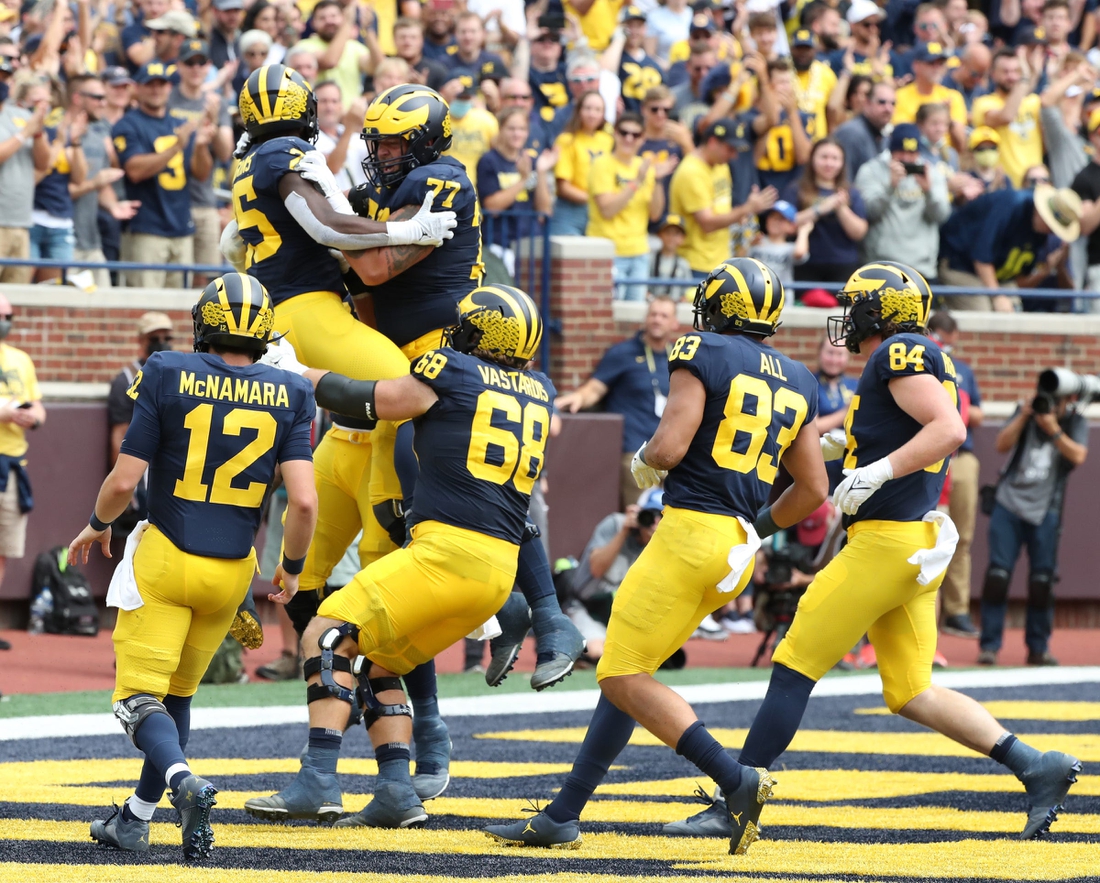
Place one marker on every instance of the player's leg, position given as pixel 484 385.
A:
pixel 1006 538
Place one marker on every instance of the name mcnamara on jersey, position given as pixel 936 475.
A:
pixel 513 381
pixel 234 389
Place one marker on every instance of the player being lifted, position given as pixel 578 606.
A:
pixel 902 427
pixel 210 427
pixel 482 420
pixel 736 409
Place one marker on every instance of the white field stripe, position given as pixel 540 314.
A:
pixel 52 726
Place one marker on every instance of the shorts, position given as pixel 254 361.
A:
pixel 418 601
pixel 208 234
pixel 144 248
pixel 13 523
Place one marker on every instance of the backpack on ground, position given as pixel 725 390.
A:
pixel 73 610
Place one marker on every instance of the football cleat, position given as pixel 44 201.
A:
pixel 312 795
pixel 743 808
pixel 246 628
pixel 515 621
pixel 433 756
pixel 558 648
pixel 711 822
pixel 193 802
pixel 1047 786
pixel 131 835
pixel 539 830
pixel 395 805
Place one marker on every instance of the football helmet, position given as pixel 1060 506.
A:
pixel 742 294
pixel 233 311
pixel 497 319
pixel 277 100
pixel 877 294
pixel 416 114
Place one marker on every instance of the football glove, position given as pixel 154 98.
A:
pixel 281 355
pixel 424 228
pixel 314 168
pixel 233 247
pixel 833 443
pixel 243 143
pixel 645 476
pixel 860 483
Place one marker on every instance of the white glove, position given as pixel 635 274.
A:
pixel 833 443
pixel 934 561
pixel 243 143
pixel 314 168
pixel 281 355
pixel 645 476
pixel 855 490
pixel 424 228
pixel 233 247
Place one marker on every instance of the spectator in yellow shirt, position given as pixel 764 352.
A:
pixel 1012 110
pixel 623 198
pixel 585 137
pixel 702 195
pixel 814 82
pixel 472 131
pixel 598 19
pixel 929 67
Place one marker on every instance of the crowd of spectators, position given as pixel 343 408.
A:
pixel 893 131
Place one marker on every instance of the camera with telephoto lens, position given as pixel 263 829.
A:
pixel 1057 383
pixel 784 560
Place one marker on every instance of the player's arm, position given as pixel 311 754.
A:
pixel 400 399
pixel 349 232
pixel 301 518
pixel 683 413
pixel 924 399
pixel 114 496
pixel 377 265
pixel 804 462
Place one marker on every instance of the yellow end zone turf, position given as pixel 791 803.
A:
pixel 1026 710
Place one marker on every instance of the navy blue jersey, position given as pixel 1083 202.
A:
pixel 658 150
pixel 757 401
pixel 496 173
pixel 212 434
pixel 996 228
pixel 424 297
pixel 482 445
pixel 280 253
pixel 638 77
pixel 460 69
pixel 777 165
pixel 165 200
pixel 51 194
pixel 550 91
pixel 877 426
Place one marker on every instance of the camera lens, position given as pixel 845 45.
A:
pixel 646 518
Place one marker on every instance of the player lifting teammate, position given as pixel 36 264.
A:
pixel 736 408
pixel 902 427
pixel 210 427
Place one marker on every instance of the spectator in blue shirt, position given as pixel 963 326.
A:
pixel 835 389
pixel 632 379
pixel 994 240
pixel 52 236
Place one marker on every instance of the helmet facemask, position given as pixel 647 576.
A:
pixel 387 172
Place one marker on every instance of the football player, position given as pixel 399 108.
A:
pixel 902 428
pixel 482 420
pixel 736 409
pixel 210 428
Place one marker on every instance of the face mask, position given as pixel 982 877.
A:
pixel 157 345
pixel 5 327
pixel 460 107
pixel 986 159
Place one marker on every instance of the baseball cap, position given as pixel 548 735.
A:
pixel 802 37
pixel 469 78
pixel 154 321
pixel 194 49
pixel 981 135
pixel 784 208
pixel 906 136
pixel 631 13
pixel 724 130
pixel 493 70
pixel 1093 96
pixel 811 530
pixel 227 5
pixel 929 52
pixel 861 10
pixel 672 220
pixel 819 297
pixel 117 76
pixel 175 20
pixel 702 22
pixel 1028 34
pixel 652 500
pixel 155 70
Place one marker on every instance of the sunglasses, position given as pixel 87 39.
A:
pixel 198 62
pixel 94 96
pixel 657 108
pixel 885 101
pixel 1034 181
pixel 629 134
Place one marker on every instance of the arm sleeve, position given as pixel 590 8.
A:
pixel 565 167
pixel 143 435
pixel 693 193
pixel 126 141
pixel 905 355
pixel 296 444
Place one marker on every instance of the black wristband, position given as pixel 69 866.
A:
pixel 342 395
pixel 765 525
pixel 293 566
pixel 96 523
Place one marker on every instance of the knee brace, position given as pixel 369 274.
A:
pixel 373 710
pixel 995 587
pixel 132 712
pixel 1040 590
pixel 327 663
pixel 391 516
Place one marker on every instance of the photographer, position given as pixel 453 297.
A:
pixel 1047 438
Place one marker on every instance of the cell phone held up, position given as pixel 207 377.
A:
pixel 914 168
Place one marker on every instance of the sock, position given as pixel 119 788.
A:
pixel 608 732
pixel 420 686
pixel 1014 754
pixel 535 580
pixel 778 718
pixel 150 785
pixel 425 721
pixel 159 740
pixel 393 762
pixel 703 750
pixel 324 749
pixel 136 808
pixel 175 775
